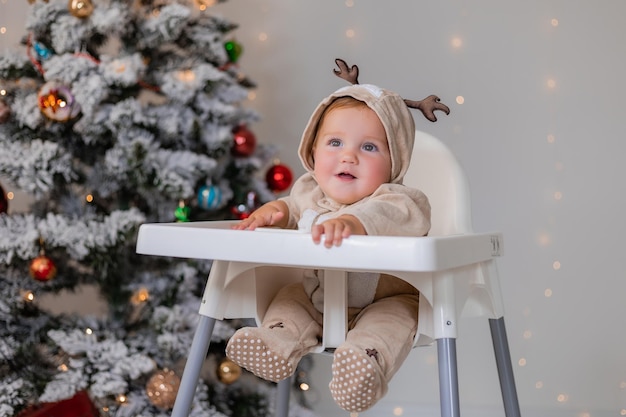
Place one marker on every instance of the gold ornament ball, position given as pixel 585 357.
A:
pixel 228 371
pixel 80 8
pixel 162 388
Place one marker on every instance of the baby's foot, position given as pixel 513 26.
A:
pixel 259 350
pixel 358 381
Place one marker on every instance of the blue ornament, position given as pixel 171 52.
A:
pixel 209 197
pixel 42 51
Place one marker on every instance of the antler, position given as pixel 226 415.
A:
pixel 428 106
pixel 349 74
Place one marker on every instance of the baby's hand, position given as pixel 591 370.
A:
pixel 269 214
pixel 335 230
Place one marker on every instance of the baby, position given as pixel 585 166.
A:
pixel 356 149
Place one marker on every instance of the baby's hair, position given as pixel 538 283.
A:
pixel 344 102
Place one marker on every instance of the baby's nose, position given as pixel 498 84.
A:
pixel 348 157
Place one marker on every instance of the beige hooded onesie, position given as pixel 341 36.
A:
pixel 383 309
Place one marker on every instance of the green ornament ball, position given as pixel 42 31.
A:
pixel 234 50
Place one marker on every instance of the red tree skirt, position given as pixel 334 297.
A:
pixel 79 405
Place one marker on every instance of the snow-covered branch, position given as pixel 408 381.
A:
pixel 20 233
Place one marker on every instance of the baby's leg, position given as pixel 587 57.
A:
pixel 378 343
pixel 290 329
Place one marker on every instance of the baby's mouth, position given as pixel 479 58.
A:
pixel 346 175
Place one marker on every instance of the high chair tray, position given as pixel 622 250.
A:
pixel 216 240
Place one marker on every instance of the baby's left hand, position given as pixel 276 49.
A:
pixel 335 230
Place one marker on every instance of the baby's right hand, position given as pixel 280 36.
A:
pixel 266 215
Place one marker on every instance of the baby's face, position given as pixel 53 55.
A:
pixel 351 154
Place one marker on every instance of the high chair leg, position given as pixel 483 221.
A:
pixel 191 374
pixel 448 377
pixel 282 399
pixel 505 369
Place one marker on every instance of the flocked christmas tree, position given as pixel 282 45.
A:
pixel 114 113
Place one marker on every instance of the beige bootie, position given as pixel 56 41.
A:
pixel 380 339
pixel 269 353
pixel 358 381
pixel 291 328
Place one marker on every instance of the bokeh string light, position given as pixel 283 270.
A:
pixel 557 195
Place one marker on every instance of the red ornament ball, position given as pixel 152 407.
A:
pixel 244 209
pixel 279 178
pixel 4 201
pixel 240 211
pixel 43 268
pixel 5 111
pixel 244 141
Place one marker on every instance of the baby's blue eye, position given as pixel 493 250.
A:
pixel 334 142
pixel 370 147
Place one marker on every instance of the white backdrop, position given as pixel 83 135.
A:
pixel 541 136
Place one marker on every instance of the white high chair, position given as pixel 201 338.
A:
pixel 453 268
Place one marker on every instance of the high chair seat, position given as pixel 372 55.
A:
pixel 453 268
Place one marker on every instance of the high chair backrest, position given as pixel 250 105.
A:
pixel 435 171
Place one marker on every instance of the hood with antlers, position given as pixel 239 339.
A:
pixel 392 110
